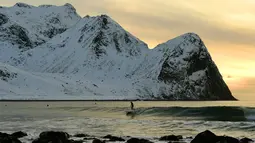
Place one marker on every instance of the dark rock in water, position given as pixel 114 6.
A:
pixel 113 138
pixel 97 141
pixel 6 138
pixel 205 137
pixel 81 135
pixel 227 139
pixel 19 134
pixel 75 141
pixel 52 136
pixel 49 134
pixel 4 134
pixel 209 137
pixel 136 140
pixel 9 140
pixel 170 138
pixel 246 140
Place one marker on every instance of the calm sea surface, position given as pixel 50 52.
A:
pixel 149 119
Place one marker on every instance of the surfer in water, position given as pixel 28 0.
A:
pixel 131 112
pixel 132 105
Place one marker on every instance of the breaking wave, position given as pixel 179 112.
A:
pixel 210 113
pixel 217 113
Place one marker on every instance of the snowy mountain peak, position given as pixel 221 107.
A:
pixel 23 5
pixel 40 23
pixel 24 27
pixel 70 6
pixel 101 36
pixel 190 34
pixel 194 39
pixel 187 62
pixel 184 47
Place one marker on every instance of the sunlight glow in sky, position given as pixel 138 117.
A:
pixel 226 27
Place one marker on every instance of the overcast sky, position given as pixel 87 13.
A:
pixel 226 27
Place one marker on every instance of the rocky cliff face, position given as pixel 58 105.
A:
pixel 188 64
pixel 95 58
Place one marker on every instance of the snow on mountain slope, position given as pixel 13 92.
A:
pixel 18 84
pixel 24 26
pixel 97 59
pixel 94 46
pixel 76 55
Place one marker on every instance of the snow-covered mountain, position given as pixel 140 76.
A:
pixel 95 58
pixel 24 27
pixel 186 68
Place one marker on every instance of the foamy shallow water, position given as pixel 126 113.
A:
pixel 151 119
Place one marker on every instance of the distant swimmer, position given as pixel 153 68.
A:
pixel 131 105
pixel 47 105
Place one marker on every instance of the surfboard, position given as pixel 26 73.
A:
pixel 130 112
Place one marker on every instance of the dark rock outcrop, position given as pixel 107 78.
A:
pixel 6 138
pixel 97 141
pixel 24 5
pixel 170 138
pixel 53 31
pixel 3 19
pixel 205 137
pixel 81 135
pixel 6 75
pixel 21 36
pixel 113 138
pixel 209 137
pixel 19 134
pixel 98 43
pixel 136 140
pixel 246 140
pixel 75 141
pixel 52 136
pixel 227 139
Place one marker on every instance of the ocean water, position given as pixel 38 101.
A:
pixel 149 119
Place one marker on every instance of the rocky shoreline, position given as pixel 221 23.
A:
pixel 63 137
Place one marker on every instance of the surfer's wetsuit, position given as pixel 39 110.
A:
pixel 132 105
